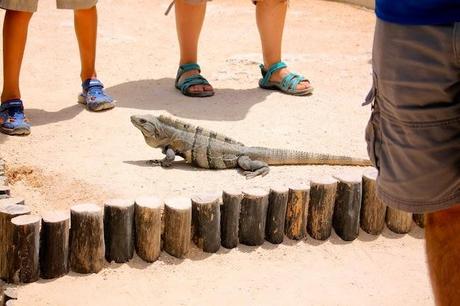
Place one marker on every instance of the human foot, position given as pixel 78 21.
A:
pixel 191 82
pixel 94 96
pixel 12 118
pixel 278 77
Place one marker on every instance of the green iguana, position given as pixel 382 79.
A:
pixel 207 149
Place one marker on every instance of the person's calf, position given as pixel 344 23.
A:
pixel 15 28
pixel 85 21
pixel 442 234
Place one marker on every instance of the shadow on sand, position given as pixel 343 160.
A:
pixel 149 95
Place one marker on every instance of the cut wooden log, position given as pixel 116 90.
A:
pixel 178 222
pixel 87 247
pixel 147 221
pixel 24 266
pixel 8 212
pixel 297 212
pixel 276 214
pixel 321 208
pixel 11 303
pixel 4 192
pixel 12 201
pixel 347 206
pixel 10 294
pixel 398 221
pixel 54 244
pixel 206 222
pixel 230 217
pixel 373 210
pixel 419 219
pixel 253 216
pixel 119 230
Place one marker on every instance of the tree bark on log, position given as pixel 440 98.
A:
pixel 206 222
pixel 12 201
pixel 253 216
pixel 230 217
pixel 419 219
pixel 276 214
pixel 54 245
pixel 398 221
pixel 297 212
pixel 87 247
pixel 24 266
pixel 321 208
pixel 178 223
pixel 4 192
pixel 147 221
pixel 347 206
pixel 373 210
pixel 8 212
pixel 119 230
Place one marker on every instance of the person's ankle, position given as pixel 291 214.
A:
pixel 88 76
pixel 6 98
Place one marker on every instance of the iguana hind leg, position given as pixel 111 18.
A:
pixel 253 168
pixel 170 155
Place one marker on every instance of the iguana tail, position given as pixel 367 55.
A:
pixel 292 157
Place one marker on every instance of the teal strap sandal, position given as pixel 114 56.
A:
pixel 196 79
pixel 287 85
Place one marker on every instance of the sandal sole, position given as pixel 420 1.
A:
pixel 306 92
pixel 15 132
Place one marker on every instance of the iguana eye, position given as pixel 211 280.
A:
pixel 142 121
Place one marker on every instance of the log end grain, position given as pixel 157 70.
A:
pixel 178 203
pixel 25 220
pixel 252 193
pixel 119 203
pixel 11 201
pixel 323 180
pixel 151 202
pixel 55 216
pixel 86 208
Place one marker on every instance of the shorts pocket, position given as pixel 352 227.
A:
pixel 373 130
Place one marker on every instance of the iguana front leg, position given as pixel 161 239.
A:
pixel 170 155
pixel 253 167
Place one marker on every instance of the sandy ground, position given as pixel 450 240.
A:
pixel 74 155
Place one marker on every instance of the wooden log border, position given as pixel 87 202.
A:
pixel 229 216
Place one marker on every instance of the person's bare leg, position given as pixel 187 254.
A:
pixel 189 21
pixel 85 21
pixel 271 16
pixel 15 27
pixel 442 234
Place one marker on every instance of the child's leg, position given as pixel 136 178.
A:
pixel 86 29
pixel 271 15
pixel 189 21
pixel 443 252
pixel 15 28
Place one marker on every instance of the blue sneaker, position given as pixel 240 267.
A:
pixel 12 118
pixel 94 97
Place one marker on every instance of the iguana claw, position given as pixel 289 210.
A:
pixel 154 162
pixel 159 162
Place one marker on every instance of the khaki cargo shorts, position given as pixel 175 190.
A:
pixel 31 5
pixel 413 134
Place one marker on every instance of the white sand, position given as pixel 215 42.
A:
pixel 77 156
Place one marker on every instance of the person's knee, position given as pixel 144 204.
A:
pixel 85 11
pixel 19 16
pixel 445 216
pixel 443 252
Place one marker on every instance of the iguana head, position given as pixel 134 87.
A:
pixel 152 129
